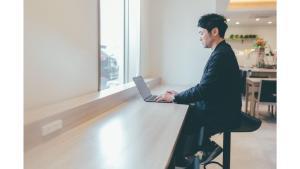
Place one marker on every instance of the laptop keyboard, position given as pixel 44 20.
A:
pixel 151 98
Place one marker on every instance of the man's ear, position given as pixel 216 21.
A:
pixel 215 31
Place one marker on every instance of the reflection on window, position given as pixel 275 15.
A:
pixel 112 42
pixel 120 41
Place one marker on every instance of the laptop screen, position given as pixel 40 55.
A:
pixel 142 86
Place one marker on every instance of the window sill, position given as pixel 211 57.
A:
pixel 47 111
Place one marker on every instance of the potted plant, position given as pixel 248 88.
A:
pixel 260 48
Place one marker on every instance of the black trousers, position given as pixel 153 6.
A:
pixel 193 136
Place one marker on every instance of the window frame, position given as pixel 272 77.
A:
pixel 126 67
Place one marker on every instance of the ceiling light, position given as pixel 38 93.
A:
pixel 237 23
pixel 269 22
pixel 257 19
pixel 228 20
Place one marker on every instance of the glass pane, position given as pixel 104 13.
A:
pixel 112 43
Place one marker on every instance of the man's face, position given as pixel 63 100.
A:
pixel 205 38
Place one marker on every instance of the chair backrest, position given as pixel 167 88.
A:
pixel 268 91
pixel 243 81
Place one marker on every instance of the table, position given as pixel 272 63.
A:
pixel 261 72
pixel 252 86
pixel 133 135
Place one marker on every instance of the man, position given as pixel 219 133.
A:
pixel 216 99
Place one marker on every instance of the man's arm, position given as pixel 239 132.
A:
pixel 207 85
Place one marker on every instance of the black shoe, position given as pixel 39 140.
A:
pixel 210 152
pixel 184 162
pixel 206 154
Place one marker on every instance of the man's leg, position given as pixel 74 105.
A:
pixel 194 136
pixel 187 140
pixel 189 143
pixel 207 148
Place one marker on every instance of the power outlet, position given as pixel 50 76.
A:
pixel 52 127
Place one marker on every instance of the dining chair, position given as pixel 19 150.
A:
pixel 267 95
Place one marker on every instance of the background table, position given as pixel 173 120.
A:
pixel 261 72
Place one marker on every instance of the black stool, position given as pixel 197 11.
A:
pixel 248 124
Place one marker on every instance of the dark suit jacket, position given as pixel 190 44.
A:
pixel 218 95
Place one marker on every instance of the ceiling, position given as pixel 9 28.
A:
pixel 248 12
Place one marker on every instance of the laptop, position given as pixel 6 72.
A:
pixel 144 90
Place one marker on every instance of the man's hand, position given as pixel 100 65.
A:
pixel 168 96
pixel 171 91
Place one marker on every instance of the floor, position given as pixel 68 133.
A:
pixel 255 150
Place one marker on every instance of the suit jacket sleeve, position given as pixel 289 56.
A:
pixel 207 85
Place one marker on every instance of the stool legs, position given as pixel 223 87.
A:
pixel 226 150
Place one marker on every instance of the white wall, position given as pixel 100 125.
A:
pixel 268 33
pixel 60 57
pixel 170 41
pixel 60 43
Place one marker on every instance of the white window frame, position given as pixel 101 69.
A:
pixel 131 45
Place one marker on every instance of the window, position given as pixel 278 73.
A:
pixel 119 42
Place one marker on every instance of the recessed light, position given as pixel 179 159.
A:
pixel 257 19
pixel 237 23
pixel 228 20
pixel 270 22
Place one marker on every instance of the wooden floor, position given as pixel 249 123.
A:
pixel 256 150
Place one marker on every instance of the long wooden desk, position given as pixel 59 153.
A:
pixel 133 135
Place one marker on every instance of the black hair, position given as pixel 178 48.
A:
pixel 210 21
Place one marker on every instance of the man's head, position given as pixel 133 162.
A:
pixel 212 28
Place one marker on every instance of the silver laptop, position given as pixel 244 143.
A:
pixel 144 90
